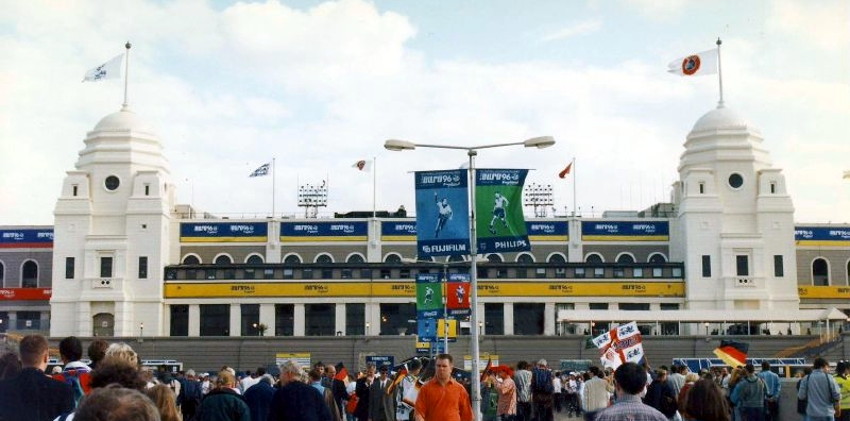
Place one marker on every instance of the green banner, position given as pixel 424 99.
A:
pixel 499 223
pixel 429 294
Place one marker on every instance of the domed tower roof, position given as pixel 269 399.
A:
pixel 122 137
pixel 720 118
pixel 721 135
pixel 121 121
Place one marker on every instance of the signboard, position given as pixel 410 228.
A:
pixel 301 232
pixel 406 289
pixel 442 325
pixel 301 358
pixel 457 294
pixel 483 358
pixel 398 231
pixel 25 294
pixel 429 293
pixel 820 292
pixel 822 236
pixel 223 232
pixel 26 238
pixel 426 329
pixel 547 231
pixel 498 207
pixel 625 231
pixel 380 360
pixel 442 213
pixel 575 365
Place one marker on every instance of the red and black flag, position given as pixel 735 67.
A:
pixel 733 353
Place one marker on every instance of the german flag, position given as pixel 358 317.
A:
pixel 486 369
pixel 733 353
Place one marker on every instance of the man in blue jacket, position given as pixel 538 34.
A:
pixel 296 400
pixel 32 396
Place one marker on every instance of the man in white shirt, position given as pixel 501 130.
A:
pixel 557 391
pixel 597 392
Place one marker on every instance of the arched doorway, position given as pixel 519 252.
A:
pixel 103 324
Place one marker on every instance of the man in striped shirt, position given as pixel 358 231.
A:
pixel 630 380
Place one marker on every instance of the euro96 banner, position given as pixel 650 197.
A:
pixel 442 213
pixel 498 208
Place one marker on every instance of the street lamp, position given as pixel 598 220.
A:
pixel 706 328
pixel 367 328
pixel 471 151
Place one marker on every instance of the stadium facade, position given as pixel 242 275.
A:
pixel 123 259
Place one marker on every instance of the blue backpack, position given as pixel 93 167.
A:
pixel 541 381
pixel 78 381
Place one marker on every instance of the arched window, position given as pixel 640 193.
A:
pixel 494 258
pixel 525 258
pixel 3 274
pixel 324 259
pixel 557 258
pixel 392 259
pixel 254 259
pixel 820 272
pixel 29 275
pixel 456 258
pixel 191 259
pixel 625 258
pixel 657 258
pixel 223 260
pixel 292 259
pixel 594 258
pixel 355 258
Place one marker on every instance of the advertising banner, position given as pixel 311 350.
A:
pixel 498 206
pixel 26 238
pixel 838 236
pixel 442 213
pixel 223 232
pixel 429 293
pixel 398 231
pixel 301 232
pixel 380 360
pixel 427 329
pixel 625 231
pixel 457 294
pixel 547 231
pixel 301 358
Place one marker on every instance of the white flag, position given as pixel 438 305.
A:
pixel 363 165
pixel 704 63
pixel 261 171
pixel 109 70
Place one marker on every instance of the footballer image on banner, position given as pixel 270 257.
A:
pixel 442 213
pixel 500 224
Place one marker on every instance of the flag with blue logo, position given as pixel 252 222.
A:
pixel 261 171
pixel 109 70
pixel 442 213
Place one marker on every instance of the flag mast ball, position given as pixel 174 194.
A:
pixel 471 152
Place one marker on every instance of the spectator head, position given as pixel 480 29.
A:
pixel 522 365
pixel 164 399
pixel 71 349
pixel 765 366
pixel 384 370
pixel 267 378
pixel 290 371
pixel 261 371
pixel 121 350
pixel 114 403
pixel 820 362
pixel 414 365
pixel 706 402
pixel 330 371
pixel 226 379
pixel 33 349
pixel 315 375
pixel 691 377
pixel 660 374
pixel 10 365
pixel 116 370
pixel 630 378
pixel 97 350
pixel 750 368
pixel 594 370
pixel 542 363
pixel 370 369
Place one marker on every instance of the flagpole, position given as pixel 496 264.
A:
pixel 274 176
pixel 126 71
pixel 574 186
pixel 374 177
pixel 719 73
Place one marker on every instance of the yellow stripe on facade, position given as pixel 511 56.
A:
pixel 549 237
pixel 823 243
pixel 261 239
pixel 814 292
pixel 318 239
pixel 398 238
pixel 625 237
pixel 408 289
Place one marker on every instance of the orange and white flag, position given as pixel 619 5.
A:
pixel 699 64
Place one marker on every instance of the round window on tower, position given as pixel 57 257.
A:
pixel 736 181
pixel 111 183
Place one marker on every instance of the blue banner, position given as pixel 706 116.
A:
pixel 442 213
pixel 26 238
pixel 398 231
pixel 822 236
pixel 427 330
pixel 214 232
pixel 625 231
pixel 294 232
pixel 380 360
pixel 500 226
pixel 547 230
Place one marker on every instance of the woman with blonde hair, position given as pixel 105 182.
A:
pixel 122 351
pixel 163 398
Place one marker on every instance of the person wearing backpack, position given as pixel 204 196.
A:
pixel 75 373
pixel 660 395
pixel 542 390
pixel 749 394
pixel 190 396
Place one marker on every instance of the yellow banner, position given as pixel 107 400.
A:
pixel 259 239
pixel 441 328
pixel 810 291
pixel 408 289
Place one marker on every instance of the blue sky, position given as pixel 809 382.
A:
pixel 321 84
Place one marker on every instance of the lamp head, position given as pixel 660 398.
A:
pixel 399 145
pixel 539 142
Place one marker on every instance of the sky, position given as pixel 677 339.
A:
pixel 319 85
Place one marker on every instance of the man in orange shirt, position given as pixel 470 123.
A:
pixel 443 398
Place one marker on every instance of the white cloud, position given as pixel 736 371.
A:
pixel 581 28
pixel 825 24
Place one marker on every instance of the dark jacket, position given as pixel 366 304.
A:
pixel 296 401
pixel 362 392
pixel 381 404
pixel 660 396
pixel 223 404
pixel 259 399
pixel 32 396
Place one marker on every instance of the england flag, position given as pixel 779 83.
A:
pixel 261 171
pixel 109 70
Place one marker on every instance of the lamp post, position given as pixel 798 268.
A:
pixel 471 152
pixel 706 328
pixel 367 328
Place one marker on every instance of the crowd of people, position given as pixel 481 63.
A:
pixel 115 387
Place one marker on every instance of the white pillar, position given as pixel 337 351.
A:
pixel 373 318
pixel 339 319
pixel 508 315
pixel 549 319
pixel 84 318
pixel 267 317
pixel 299 319
pixel 194 320
pixel 235 320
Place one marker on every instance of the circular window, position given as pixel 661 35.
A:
pixel 111 182
pixel 736 181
